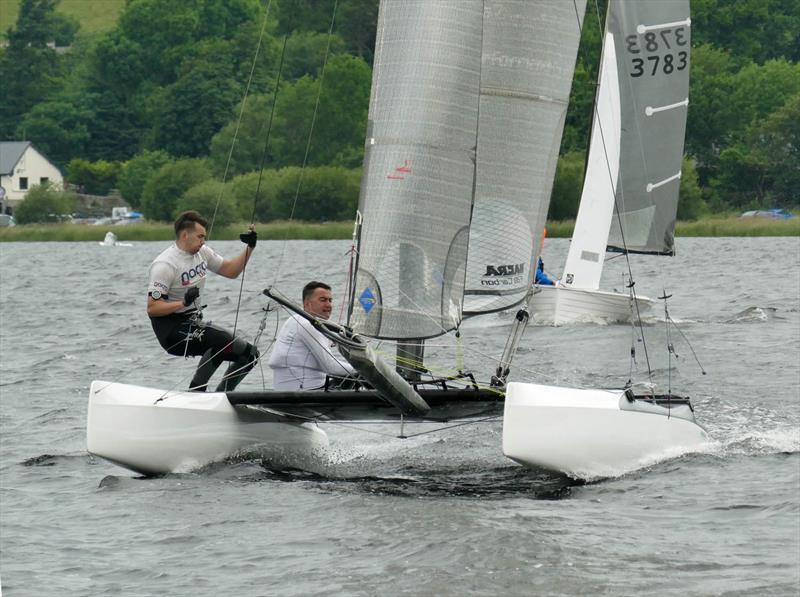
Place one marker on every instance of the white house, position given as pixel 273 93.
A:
pixel 22 166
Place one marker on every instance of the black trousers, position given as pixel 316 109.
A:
pixel 182 335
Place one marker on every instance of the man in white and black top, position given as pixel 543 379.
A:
pixel 176 277
pixel 302 357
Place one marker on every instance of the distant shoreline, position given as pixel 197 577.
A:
pixel 716 226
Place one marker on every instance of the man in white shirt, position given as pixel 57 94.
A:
pixel 176 277
pixel 303 357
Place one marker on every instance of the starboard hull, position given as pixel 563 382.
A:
pixel 590 434
pixel 560 304
pixel 129 426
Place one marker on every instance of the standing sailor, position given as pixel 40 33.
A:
pixel 176 277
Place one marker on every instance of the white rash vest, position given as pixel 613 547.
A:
pixel 174 271
pixel 302 357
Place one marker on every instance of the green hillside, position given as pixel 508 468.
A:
pixel 94 15
pixel 150 102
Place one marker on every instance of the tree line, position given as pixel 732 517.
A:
pixel 152 107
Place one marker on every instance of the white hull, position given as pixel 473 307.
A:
pixel 591 434
pixel 187 430
pixel 563 304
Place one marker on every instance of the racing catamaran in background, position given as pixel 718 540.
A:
pixel 629 201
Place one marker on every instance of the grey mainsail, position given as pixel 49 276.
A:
pixel 652 40
pixel 529 52
pixel 417 185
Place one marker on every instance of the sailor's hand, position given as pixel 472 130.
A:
pixel 249 238
pixel 191 295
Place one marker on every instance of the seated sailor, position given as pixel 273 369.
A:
pixel 303 357
pixel 541 277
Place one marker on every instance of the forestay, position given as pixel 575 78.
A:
pixel 652 40
pixel 416 195
pixel 529 51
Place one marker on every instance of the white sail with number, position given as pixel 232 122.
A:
pixel 630 194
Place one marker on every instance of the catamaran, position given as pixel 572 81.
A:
pixel 629 201
pixel 466 113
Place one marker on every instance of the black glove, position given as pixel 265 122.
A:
pixel 249 238
pixel 191 295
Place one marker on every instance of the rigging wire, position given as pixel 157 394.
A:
pixel 617 207
pixel 261 174
pixel 310 136
pixel 241 114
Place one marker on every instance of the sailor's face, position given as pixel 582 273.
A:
pixel 194 238
pixel 320 303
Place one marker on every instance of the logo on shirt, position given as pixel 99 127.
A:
pixel 199 271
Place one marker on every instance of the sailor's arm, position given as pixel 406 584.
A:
pixel 231 268
pixel 162 307
pixel 318 346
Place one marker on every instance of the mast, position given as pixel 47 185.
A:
pixel 585 259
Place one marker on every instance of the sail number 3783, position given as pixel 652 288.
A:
pixel 667 40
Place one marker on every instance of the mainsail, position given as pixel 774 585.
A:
pixel 529 51
pixel 417 185
pixel 651 41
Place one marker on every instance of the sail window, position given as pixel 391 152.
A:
pixel 590 256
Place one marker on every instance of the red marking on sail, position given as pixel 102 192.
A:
pixel 404 169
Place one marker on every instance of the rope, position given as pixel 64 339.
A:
pixel 260 177
pixel 308 141
pixel 617 211
pixel 241 115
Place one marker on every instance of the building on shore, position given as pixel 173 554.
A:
pixel 22 167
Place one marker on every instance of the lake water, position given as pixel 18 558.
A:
pixel 434 515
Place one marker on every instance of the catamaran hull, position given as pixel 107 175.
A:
pixel 561 304
pixel 129 426
pixel 591 434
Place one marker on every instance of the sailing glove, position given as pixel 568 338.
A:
pixel 249 238
pixel 191 295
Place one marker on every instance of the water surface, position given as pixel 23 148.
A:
pixel 439 514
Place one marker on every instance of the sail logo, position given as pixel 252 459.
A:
pixel 199 271
pixel 400 171
pixel 505 270
pixel 367 300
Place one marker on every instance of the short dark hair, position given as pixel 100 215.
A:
pixel 187 221
pixel 309 288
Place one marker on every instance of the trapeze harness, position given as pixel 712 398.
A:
pixel 184 333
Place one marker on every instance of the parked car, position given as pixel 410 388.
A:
pixel 774 214
pixel 7 220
